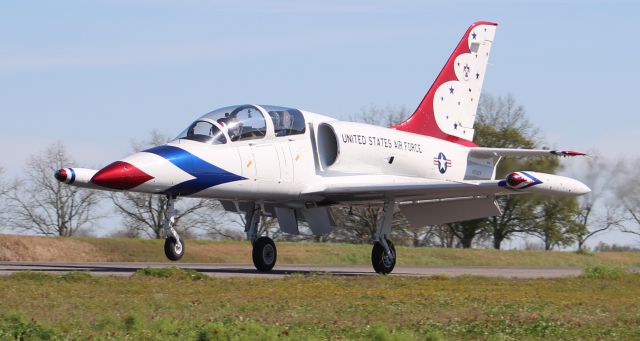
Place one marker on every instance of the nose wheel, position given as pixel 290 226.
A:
pixel 173 244
pixel 173 248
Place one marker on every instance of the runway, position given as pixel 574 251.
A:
pixel 281 271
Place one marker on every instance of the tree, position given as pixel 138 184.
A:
pixel 442 236
pixel 358 224
pixel 386 117
pixel 502 123
pixel 627 188
pixel 41 204
pixel 3 182
pixel 143 214
pixel 517 213
pixel 593 216
pixel 467 231
pixel 267 226
pixel 3 192
pixel 555 221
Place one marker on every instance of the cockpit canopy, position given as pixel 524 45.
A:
pixel 244 122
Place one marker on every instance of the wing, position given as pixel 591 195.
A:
pixel 431 201
pixel 368 188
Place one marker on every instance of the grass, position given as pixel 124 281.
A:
pixel 175 304
pixel 29 248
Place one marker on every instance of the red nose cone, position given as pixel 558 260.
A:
pixel 514 179
pixel 120 175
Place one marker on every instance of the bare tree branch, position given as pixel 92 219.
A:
pixel 41 204
pixel 626 188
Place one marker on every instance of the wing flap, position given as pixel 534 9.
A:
pixel 448 211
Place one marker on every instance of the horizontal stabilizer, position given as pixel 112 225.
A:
pixel 515 152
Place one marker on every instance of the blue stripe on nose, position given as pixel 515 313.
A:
pixel 206 175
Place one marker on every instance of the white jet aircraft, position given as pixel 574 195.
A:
pixel 264 160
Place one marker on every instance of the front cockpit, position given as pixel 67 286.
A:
pixel 204 131
pixel 245 122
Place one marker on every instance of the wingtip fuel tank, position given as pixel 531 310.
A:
pixel 543 183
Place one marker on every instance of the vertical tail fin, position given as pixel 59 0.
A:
pixel 448 110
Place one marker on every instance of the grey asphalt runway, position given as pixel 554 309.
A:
pixel 281 271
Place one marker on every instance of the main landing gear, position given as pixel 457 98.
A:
pixel 264 252
pixel 173 244
pixel 383 255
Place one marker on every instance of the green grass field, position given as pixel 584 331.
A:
pixel 29 248
pixel 174 304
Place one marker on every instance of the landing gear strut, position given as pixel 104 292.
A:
pixel 173 244
pixel 264 252
pixel 383 255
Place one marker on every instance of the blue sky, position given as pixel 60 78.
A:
pixel 97 74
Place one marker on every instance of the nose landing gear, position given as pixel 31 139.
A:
pixel 173 244
pixel 173 248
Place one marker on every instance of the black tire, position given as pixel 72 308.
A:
pixel 380 260
pixel 171 249
pixel 264 254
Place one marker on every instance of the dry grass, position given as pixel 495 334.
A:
pixel 29 248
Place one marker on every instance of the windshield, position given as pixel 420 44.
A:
pixel 203 131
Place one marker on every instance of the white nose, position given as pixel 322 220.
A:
pixel 581 188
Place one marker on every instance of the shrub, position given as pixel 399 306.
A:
pixel 14 326
pixel 131 322
pixel 76 276
pixel 172 272
pixel 31 276
pixel 603 272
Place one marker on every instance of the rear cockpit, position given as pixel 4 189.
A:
pixel 286 121
pixel 245 122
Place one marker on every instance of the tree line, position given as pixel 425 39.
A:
pixel 37 203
